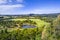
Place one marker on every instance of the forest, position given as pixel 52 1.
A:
pixel 30 27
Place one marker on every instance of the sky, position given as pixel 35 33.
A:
pixel 17 7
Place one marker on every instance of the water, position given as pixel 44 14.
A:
pixel 28 26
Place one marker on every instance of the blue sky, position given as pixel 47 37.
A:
pixel 13 7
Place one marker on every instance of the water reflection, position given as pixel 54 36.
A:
pixel 28 26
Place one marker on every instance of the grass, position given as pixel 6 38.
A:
pixel 39 22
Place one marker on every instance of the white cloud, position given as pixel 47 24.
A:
pixel 8 8
pixel 5 1
pixel 11 6
pixel 44 11
pixel 2 1
pixel 20 1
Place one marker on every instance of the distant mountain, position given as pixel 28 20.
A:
pixel 52 14
pixel 32 14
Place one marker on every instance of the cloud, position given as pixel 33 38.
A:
pixel 3 1
pixel 44 11
pixel 9 7
pixel 6 1
pixel 5 7
pixel 20 1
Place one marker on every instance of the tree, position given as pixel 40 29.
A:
pixel 56 24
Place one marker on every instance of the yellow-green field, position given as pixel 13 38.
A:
pixel 39 22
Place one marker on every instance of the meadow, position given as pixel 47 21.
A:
pixel 12 29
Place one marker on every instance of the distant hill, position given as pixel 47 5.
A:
pixel 43 15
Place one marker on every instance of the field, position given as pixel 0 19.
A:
pixel 39 22
pixel 12 29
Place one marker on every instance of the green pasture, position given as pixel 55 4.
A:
pixel 39 22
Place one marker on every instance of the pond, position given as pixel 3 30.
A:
pixel 28 26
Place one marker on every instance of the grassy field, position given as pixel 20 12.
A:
pixel 32 33
pixel 39 22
